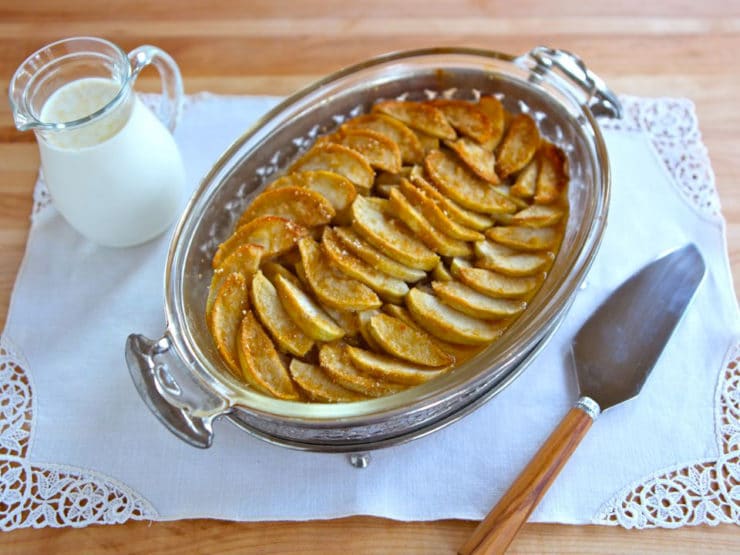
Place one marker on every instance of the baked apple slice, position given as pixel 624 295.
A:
pixel 538 215
pixel 416 115
pixel 379 151
pixel 245 259
pixel 317 385
pixel 363 319
pixel 330 287
pixel 482 162
pixel 465 299
pixel 436 216
pixel 335 361
pixel 402 209
pixel 511 262
pixel 525 238
pixel 225 317
pixel 273 316
pixel 400 340
pixel 492 107
pixel 304 311
pixel 337 189
pixel 456 212
pixel 338 159
pixel 467 118
pixel 389 368
pixel 553 175
pixel 260 363
pixel 302 206
pixel 449 324
pixel 389 288
pixel 407 141
pixel 372 222
pixel 458 183
pixel 525 184
pixel 372 256
pixel 518 147
pixel 274 234
pixel 498 285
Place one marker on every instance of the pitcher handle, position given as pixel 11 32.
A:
pixel 172 90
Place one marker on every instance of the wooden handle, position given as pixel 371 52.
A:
pixel 498 529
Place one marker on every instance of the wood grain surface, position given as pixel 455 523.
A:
pixel 500 526
pixel 672 48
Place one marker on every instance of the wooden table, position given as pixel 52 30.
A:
pixel 676 48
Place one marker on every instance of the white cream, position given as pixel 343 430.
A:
pixel 117 180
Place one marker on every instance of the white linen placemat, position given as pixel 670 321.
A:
pixel 78 446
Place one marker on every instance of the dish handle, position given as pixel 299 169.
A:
pixel 601 100
pixel 167 387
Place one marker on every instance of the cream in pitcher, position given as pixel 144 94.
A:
pixel 111 166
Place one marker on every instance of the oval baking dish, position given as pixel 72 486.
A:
pixel 181 376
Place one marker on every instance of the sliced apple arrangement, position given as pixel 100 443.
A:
pixel 393 250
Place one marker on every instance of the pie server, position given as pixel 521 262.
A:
pixel 613 353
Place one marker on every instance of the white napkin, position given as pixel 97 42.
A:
pixel 74 305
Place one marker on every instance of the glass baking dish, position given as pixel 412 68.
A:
pixel 181 377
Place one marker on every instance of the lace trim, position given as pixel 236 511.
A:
pixel 706 492
pixel 38 494
pixel 673 129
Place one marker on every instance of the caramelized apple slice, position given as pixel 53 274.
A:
pixel 273 316
pixel 492 107
pixel 427 142
pixel 260 363
pixel 330 287
pixel 274 234
pixel 317 385
pixel 449 324
pixel 519 146
pixel 456 212
pixel 416 115
pixel 464 187
pixel 400 340
pixel 436 216
pixel 225 316
pixel 553 176
pixel 302 206
pixel 388 235
pixel 467 118
pixel 481 161
pixel 272 269
pixel 245 259
pixel 511 262
pixel 440 273
pixel 335 361
pixel 338 159
pixel 459 352
pixel 389 368
pixel 372 256
pixel 309 316
pixel 538 215
pixel 389 288
pixel 337 189
pixel 525 238
pixel 465 299
pixel 498 285
pixel 407 141
pixel 379 151
pixel 526 182
pixel 364 318
pixel 402 209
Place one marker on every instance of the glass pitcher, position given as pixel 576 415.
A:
pixel 112 167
